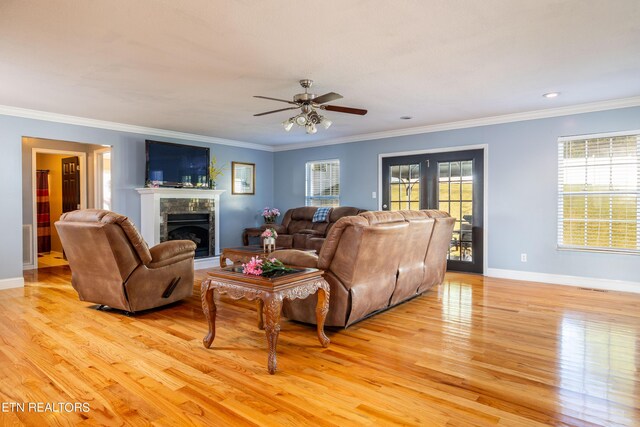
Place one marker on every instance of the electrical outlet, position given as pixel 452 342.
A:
pixel 373 195
pixel 523 257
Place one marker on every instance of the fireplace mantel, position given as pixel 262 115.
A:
pixel 180 193
pixel 150 217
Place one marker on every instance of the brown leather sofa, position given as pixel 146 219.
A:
pixel 374 261
pixel 298 230
pixel 112 265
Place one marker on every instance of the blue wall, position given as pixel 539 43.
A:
pixel 522 187
pixel 128 160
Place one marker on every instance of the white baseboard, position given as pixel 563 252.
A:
pixel 204 263
pixel 558 279
pixel 13 282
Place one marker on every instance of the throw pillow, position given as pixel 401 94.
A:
pixel 321 215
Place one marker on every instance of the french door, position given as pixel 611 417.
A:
pixel 449 181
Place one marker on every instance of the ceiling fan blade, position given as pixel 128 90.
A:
pixel 347 110
pixel 327 97
pixel 276 111
pixel 275 99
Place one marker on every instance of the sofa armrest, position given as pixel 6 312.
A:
pixel 296 258
pixel 171 251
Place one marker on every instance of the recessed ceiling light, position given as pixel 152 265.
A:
pixel 406 117
pixel 551 94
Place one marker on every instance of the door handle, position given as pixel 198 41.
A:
pixel 384 206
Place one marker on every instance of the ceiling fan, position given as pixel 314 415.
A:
pixel 309 103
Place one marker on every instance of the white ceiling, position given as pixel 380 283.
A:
pixel 193 65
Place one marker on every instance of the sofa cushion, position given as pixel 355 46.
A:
pixel 284 241
pixel 303 214
pixel 300 240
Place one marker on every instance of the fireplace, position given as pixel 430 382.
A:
pixel 189 219
pixel 180 213
pixel 191 226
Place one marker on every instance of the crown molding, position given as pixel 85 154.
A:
pixel 122 127
pixel 485 121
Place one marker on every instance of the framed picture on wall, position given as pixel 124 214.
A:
pixel 243 178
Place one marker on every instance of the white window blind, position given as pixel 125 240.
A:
pixel 599 193
pixel 323 183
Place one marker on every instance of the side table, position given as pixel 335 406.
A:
pixel 270 292
pixel 250 232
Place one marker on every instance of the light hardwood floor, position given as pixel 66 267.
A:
pixel 475 351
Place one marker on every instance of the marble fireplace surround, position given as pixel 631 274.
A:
pixel 156 203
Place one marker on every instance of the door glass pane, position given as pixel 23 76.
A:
pixel 454 209
pixel 443 191
pixel 454 250
pixel 444 170
pixel 404 187
pixel 467 191
pixel 467 209
pixel 455 170
pixel 455 190
pixel 467 170
pixel 455 196
pixel 466 252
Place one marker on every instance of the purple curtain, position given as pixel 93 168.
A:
pixel 43 213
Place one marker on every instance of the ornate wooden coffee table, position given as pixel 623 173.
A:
pixel 270 292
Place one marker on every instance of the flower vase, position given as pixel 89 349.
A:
pixel 212 184
pixel 269 220
pixel 268 244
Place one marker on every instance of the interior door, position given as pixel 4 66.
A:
pixel 451 182
pixel 70 184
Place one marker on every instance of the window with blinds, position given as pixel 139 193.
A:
pixel 599 193
pixel 323 183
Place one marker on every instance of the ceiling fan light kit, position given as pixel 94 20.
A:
pixel 288 124
pixel 309 103
pixel 301 120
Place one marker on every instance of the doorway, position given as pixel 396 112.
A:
pixel 59 185
pixel 87 182
pixel 451 181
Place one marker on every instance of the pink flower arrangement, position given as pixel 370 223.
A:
pixel 253 267
pixel 264 267
pixel 269 232
pixel 270 214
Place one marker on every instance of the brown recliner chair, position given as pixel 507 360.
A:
pixel 374 261
pixel 112 265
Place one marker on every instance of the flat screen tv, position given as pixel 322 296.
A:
pixel 177 165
